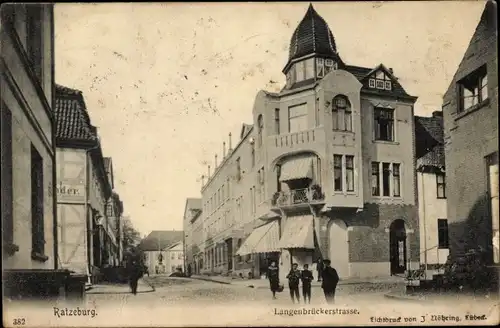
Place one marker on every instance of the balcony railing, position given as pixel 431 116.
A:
pixel 295 138
pixel 298 196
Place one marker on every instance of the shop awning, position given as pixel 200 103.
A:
pixel 299 168
pixel 298 232
pixel 263 239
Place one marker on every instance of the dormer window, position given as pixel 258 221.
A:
pixel 380 81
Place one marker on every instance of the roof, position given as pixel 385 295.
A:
pixel 312 36
pixel 363 74
pixel 429 139
pixel 161 239
pixel 72 118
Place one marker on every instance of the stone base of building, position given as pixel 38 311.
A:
pixel 43 284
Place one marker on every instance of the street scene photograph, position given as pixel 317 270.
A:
pixel 249 164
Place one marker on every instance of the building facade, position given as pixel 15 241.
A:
pixel 192 211
pixel 326 169
pixel 28 144
pixel 431 185
pixel 470 109
pixel 87 240
pixel 159 247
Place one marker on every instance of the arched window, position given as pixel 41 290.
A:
pixel 341 113
pixel 260 124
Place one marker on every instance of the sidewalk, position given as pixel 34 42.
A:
pixel 108 288
pixel 264 283
pixel 442 297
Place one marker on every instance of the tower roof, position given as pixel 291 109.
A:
pixel 312 36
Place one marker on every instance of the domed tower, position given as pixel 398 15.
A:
pixel 313 52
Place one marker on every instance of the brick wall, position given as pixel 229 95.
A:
pixel 469 137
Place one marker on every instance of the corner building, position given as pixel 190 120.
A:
pixel 327 169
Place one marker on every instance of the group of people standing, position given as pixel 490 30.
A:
pixel 326 274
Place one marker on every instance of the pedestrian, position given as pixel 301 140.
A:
pixel 135 273
pixel 189 270
pixel 319 267
pixel 293 282
pixel 307 278
pixel 274 278
pixel 330 281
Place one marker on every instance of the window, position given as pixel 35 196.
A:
pixel 473 89
pixel 386 176
pixel 384 124
pixel 443 233
pixel 337 171
pixel 349 167
pixel 277 120
pixel 396 180
pixel 300 71
pixel 7 191
pixel 320 67
pixel 441 185
pixel 238 169
pixel 492 164
pixel 172 256
pixel 341 113
pixel 260 124
pixel 297 118
pixel 37 222
pixel 375 179
pixel 34 32
pixel 381 81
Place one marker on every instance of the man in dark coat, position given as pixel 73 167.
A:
pixel 307 278
pixel 330 281
pixel 135 272
pixel 293 282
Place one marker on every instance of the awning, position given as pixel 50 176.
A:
pixel 299 168
pixel 298 233
pixel 263 239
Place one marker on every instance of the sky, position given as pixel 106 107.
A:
pixel 165 83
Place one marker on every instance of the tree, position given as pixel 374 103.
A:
pixel 131 237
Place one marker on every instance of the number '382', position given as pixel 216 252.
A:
pixel 19 322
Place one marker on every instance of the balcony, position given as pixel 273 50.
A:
pixel 295 138
pixel 298 197
pixel 313 139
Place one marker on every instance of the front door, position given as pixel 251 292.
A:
pixel 397 242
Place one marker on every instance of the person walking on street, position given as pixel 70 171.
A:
pixel 293 282
pixel 319 267
pixel 274 278
pixel 330 281
pixel 307 278
pixel 135 273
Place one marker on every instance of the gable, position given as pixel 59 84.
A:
pixel 481 49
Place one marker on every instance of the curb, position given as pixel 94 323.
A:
pixel 153 289
pixel 212 280
pixel 403 298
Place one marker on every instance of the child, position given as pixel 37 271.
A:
pixel 307 278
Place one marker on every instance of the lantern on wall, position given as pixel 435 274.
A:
pixel 160 258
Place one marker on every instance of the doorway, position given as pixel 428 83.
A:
pixel 397 242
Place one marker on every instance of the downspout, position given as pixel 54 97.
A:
pixel 425 226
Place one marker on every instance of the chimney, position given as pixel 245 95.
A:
pixel 230 143
pixel 208 172
pixel 391 70
pixel 202 180
pixel 224 149
pixel 437 113
pixel 215 161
